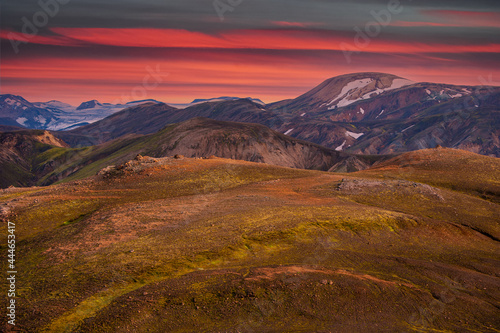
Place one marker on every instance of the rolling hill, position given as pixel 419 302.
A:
pixel 221 245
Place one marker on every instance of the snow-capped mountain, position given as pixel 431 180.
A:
pixel 56 105
pixel 376 113
pixel 344 90
pixel 365 89
pixel 16 111
pixel 56 115
pixel 89 105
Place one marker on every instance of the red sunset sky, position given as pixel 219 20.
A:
pixel 270 50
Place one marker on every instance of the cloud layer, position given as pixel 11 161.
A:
pixel 267 49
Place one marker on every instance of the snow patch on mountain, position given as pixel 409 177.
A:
pixel 41 120
pixel 355 135
pixel 352 87
pixel 396 84
pixel 341 147
pixel 349 88
pixel 289 131
pixel 407 128
pixel 21 120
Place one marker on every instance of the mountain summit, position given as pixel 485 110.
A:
pixel 89 105
pixel 344 90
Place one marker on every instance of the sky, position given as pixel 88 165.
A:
pixel 178 50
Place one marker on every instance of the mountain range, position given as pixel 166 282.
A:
pixel 59 116
pixel 55 115
pixel 348 123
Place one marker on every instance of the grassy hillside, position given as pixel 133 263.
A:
pixel 216 245
pixel 26 156
pixel 449 168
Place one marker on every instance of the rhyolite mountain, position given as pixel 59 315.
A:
pixel 362 113
pixel 32 157
pixel 343 90
pixel 151 117
pixel 388 114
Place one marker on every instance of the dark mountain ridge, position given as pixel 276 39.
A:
pixel 361 113
pixel 198 137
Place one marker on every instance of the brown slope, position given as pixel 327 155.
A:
pixel 19 152
pixel 149 118
pixel 142 119
pixel 450 168
pixel 241 110
pixel 34 163
pixel 202 137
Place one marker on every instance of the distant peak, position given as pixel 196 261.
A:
pixel 363 75
pixel 224 99
pixel 216 99
pixel 10 96
pixel 150 100
pixel 89 105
